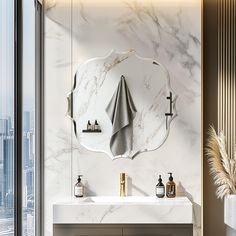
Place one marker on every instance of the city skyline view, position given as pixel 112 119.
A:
pixel 7 119
pixel 7 176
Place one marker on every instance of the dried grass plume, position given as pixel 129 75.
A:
pixel 222 167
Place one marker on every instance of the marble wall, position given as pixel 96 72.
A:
pixel 167 31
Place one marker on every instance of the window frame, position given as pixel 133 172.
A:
pixel 39 118
pixel 18 86
pixel 18 116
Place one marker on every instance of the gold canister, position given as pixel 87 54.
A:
pixel 122 184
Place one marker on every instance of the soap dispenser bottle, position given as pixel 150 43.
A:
pixel 160 188
pixel 170 187
pixel 79 187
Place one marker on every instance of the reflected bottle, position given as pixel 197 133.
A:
pixel 96 126
pixel 89 126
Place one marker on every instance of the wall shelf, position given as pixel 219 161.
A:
pixel 91 131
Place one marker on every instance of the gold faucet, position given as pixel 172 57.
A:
pixel 122 184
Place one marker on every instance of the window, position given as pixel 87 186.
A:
pixel 7 117
pixel 21 112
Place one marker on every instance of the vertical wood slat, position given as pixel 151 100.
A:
pixel 226 72
pixel 233 75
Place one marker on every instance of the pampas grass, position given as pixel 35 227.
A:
pixel 222 167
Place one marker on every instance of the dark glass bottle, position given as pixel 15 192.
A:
pixel 160 188
pixel 79 187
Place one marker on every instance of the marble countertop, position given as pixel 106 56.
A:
pixel 123 210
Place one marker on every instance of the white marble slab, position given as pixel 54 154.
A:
pixel 125 210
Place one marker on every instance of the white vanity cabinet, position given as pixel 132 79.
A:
pixel 123 216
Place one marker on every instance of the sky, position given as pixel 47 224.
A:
pixel 7 56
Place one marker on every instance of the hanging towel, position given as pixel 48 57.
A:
pixel 121 111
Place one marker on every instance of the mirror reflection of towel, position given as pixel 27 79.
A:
pixel 121 111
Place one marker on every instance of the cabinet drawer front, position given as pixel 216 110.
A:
pixel 75 230
pixel 167 230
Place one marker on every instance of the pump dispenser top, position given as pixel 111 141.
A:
pixel 79 178
pixel 170 177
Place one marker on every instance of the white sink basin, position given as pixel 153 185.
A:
pixel 122 200
pixel 128 200
pixel 130 210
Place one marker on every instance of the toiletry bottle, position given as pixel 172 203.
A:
pixel 160 188
pixel 79 187
pixel 170 187
pixel 96 125
pixel 89 126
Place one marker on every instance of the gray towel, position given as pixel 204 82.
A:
pixel 121 111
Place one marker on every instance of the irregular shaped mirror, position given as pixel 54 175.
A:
pixel 131 99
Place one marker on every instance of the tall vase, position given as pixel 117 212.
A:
pixel 230 214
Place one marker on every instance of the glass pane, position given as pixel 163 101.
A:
pixel 28 118
pixel 6 117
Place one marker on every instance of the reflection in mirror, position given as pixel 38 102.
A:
pixel 130 98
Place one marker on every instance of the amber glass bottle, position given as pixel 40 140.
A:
pixel 170 187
